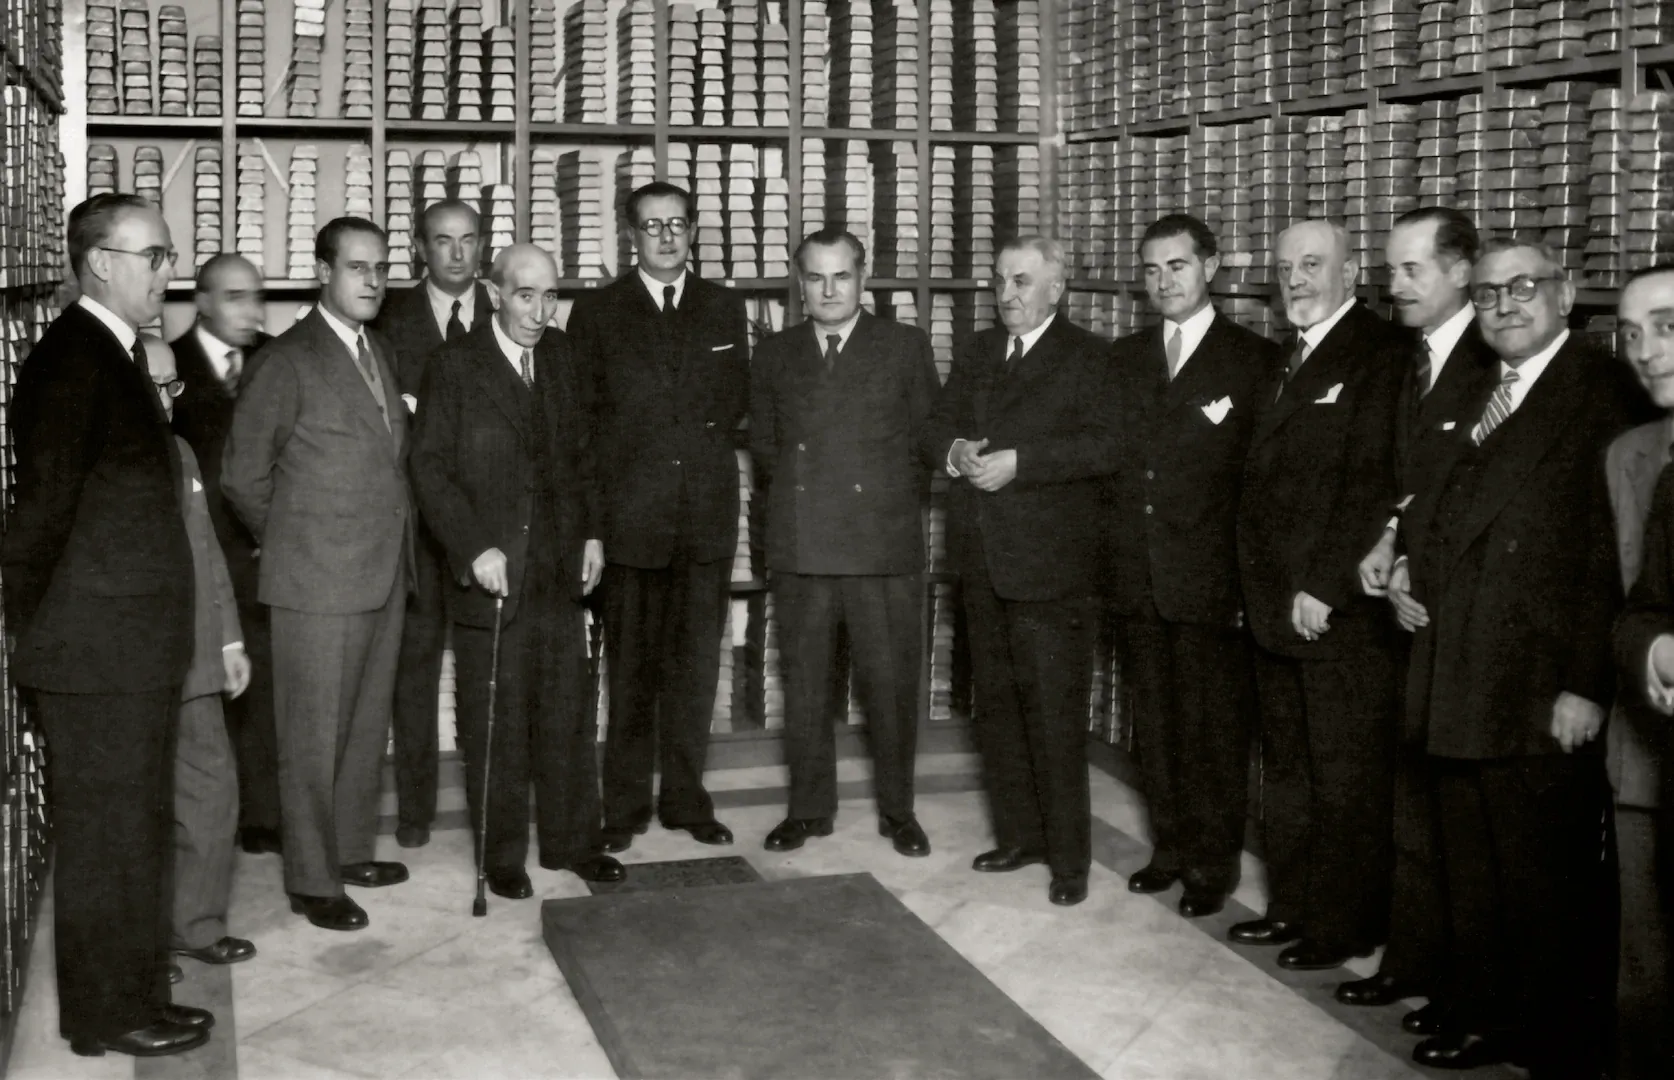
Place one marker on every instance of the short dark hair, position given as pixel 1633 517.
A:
pixel 657 189
pixel 830 236
pixel 207 272
pixel 1203 237
pixel 1531 240
pixel 325 244
pixel 1456 233
pixel 444 206
pixel 93 220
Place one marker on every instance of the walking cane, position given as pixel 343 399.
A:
pixel 479 906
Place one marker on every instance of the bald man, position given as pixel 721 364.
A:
pixel 503 475
pixel 211 357
pixel 1318 485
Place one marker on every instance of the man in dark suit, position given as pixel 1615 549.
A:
pixel 1318 482
pixel 665 355
pixel 1189 391
pixel 838 405
pixel 98 600
pixel 315 466
pixel 1513 587
pixel 1429 256
pixel 211 358
pixel 503 472
pixel 417 322
pixel 1028 425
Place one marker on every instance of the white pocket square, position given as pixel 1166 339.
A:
pixel 719 348
pixel 197 485
pixel 1330 397
pixel 1216 410
pixel 1449 426
pixel 412 402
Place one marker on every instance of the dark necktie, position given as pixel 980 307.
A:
pixel 1016 352
pixel 138 353
pixel 832 343
pixel 1297 356
pixel 456 329
pixel 528 368
pixel 235 368
pixel 1422 369
pixel 668 299
pixel 363 357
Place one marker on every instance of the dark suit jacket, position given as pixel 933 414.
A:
pixel 407 322
pixel 1174 496
pixel 214 608
pixel 1634 750
pixel 312 470
pixel 485 447
pixel 1513 553
pixel 95 560
pixel 667 397
pixel 1041 536
pixel 839 452
pixel 1319 479
pixel 202 416
pixel 1427 425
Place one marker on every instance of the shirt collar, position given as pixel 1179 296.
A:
pixel 126 334
pixel 1445 338
pixel 1192 331
pixel 1032 336
pixel 512 350
pixel 655 287
pixel 842 332
pixel 1315 334
pixel 215 349
pixel 442 304
pixel 1530 370
pixel 349 337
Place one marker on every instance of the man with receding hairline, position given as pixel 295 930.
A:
pixel 503 472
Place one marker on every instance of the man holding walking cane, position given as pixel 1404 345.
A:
pixel 504 478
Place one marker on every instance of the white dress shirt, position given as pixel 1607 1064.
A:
pixel 351 338
pixel 126 334
pixel 1315 334
pixel 655 287
pixel 218 351
pixel 1530 370
pixel 842 332
pixel 1444 339
pixel 441 305
pixel 1191 334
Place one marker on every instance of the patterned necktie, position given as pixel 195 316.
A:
pixel 832 343
pixel 1499 407
pixel 456 329
pixel 1172 351
pixel 668 299
pixel 1016 352
pixel 528 368
pixel 235 368
pixel 1298 356
pixel 1424 368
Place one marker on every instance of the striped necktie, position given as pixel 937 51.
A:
pixel 1499 407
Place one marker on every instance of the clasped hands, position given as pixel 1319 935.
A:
pixel 489 569
pixel 987 472
pixel 1382 574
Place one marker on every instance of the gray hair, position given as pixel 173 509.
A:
pixel 1498 244
pixel 1050 251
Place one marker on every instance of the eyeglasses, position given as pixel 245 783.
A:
pixel 1521 288
pixel 155 255
pixel 173 388
pixel 674 226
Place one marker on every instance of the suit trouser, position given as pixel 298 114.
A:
pixel 885 620
pixel 1417 950
pixel 662 633
pixel 418 680
pixel 110 762
pixel 1034 675
pixel 1529 850
pixel 333 679
pixel 1327 736
pixel 1193 698
pixel 205 822
pixel 545 732
pixel 250 723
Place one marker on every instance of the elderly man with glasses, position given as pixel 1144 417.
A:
pixel 664 355
pixel 1510 584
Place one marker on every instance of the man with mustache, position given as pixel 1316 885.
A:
pixel 1318 482
pixel 315 465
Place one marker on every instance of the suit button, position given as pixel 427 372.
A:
pixel 1511 545
pixel 802 446
pixel 857 487
pixel 1147 508
pixel 799 487
pixel 1150 474
pixel 677 461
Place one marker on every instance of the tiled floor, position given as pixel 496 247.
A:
pixel 430 992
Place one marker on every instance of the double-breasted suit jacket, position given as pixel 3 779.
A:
pixel 1425 423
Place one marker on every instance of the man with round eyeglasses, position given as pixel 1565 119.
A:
pixel 664 355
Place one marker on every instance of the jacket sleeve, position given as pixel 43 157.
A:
pixel 262 423
pixel 1650 604
pixel 1093 447
pixel 923 384
pixel 764 412
pixel 446 508
pixel 948 417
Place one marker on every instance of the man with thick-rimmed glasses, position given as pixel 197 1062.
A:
pixel 665 356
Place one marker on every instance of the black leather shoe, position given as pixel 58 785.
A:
pixel 188 1016
pixel 1067 891
pixel 1196 903
pixel 908 836
pixel 411 836
pixel 155 1041
pixel 229 950
pixel 330 912
pixel 709 832
pixel 513 884
pixel 1308 955
pixel 259 840
pixel 1152 879
pixel 1005 860
pixel 790 833
pixel 1424 1020
pixel 1377 991
pixel 175 974
pixel 600 868
pixel 1460 1052
pixel 1264 932
pixel 374 875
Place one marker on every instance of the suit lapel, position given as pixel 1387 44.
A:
pixel 503 386
pixel 1199 369
pixel 341 371
pixel 1014 379
pixel 1324 369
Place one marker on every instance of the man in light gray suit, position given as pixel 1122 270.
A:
pixel 315 465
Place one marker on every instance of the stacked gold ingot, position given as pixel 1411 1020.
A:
pixel 1435 38
pixel 357 181
pixel 1390 186
pixel 543 62
pixel 813 185
pixel 851 63
pixel 636 67
pixel 579 177
pixel 712 67
pixel 1604 26
pixel 585 36
pixel 357 59
pixel 502 73
pixel 775 75
pixel 1469 26
pixel 302 212
pixel 896 213
pixel 465 33
pixel 1138 59
pixel 302 82
pixel 973 211
pixel 742 236
pixel 1438 151
pixel 682 64
pixel 1561 30
pixel 941 211
pixel 1471 138
pixel 434 60
pixel 1280 193
pixel 976 74
pixel 252 57
pixel 941 64
pixel 1650 216
pixel 815 46
pixel 1566 143
pixel 1017 190
pixel 398 213
pixel 399 33
pixel 500 220
pixel 148 174
pixel 102 178
pixel 249 214
pixel 544 222
pixel 173 82
pixel 1017 37
pixel 773 214
pixel 1236 234
pixel 138 93
pixel 1510 159
pixel 103 98
pixel 709 193
pixel 1649 23
pixel 743 62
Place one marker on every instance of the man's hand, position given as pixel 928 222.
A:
pixel 996 470
pixel 490 571
pixel 1408 612
pixel 237 663
pixel 1575 721
pixel 1376 566
pixel 966 456
pixel 1662 665
pixel 1309 617
pixel 592 566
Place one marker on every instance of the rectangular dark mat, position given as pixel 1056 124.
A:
pixel 822 977
pixel 680 874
